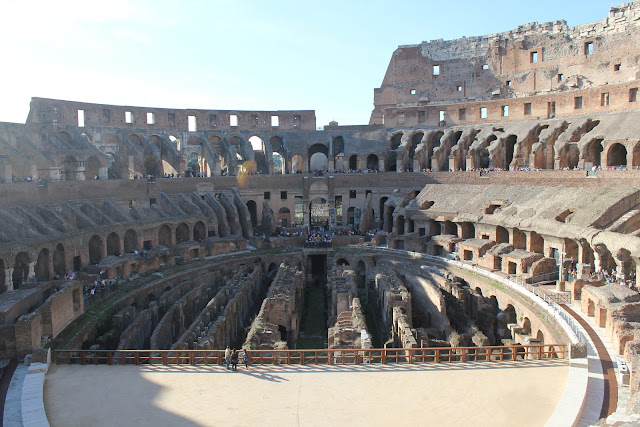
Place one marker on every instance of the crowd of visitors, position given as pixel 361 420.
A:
pixel 629 280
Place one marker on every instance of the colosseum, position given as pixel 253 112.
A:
pixel 487 217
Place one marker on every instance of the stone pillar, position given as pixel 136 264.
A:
pixel 217 170
pixel 399 165
pixel 381 164
pixel 55 174
pixel 79 173
pixel 32 271
pixel 103 173
pixel 416 165
pixel 305 165
pixel 7 175
pixel 8 278
pixel 452 164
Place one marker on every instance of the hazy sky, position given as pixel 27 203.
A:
pixel 242 55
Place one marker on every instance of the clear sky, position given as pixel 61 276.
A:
pixel 242 55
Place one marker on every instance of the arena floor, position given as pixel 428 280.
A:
pixel 510 393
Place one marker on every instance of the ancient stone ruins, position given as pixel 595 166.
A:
pixel 514 154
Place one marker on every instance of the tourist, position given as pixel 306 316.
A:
pixel 227 356
pixel 245 357
pixel 234 359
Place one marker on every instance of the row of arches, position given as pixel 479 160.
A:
pixel 29 266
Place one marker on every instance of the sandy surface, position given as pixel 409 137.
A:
pixel 509 393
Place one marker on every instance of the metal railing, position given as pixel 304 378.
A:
pixel 316 357
pixel 558 312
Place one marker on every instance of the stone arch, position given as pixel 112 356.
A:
pixel 353 162
pixel 450 228
pixel 42 268
pixel 253 212
pixel 59 260
pixel 591 308
pixel 394 144
pixel 509 149
pixel 20 269
pixel 284 217
pixel 69 165
pixel 164 235
pixel 92 167
pixel 519 239
pixel 593 152
pixel 635 158
pixel 342 261
pixel 337 145
pixel 468 230
pixel 260 154
pixel 318 155
pixel 372 162
pixel 152 166
pixel 502 235
pixel 113 244
pixel 130 241
pixel 199 231
pixel 540 337
pixel 95 249
pixel 182 233
pixel 536 243
pixel 617 155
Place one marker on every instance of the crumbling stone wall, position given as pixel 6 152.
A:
pixel 278 322
pixel 348 326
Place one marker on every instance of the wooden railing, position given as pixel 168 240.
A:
pixel 315 357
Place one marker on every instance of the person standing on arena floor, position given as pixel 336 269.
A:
pixel 227 356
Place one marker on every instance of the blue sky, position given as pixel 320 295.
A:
pixel 249 55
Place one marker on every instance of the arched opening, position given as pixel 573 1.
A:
pixel 509 146
pixel 297 163
pixel 400 224
pixel 253 212
pixel 617 155
pixel 283 333
pixel 536 243
pixel 594 152
pixel 92 168
pixel 342 261
pixel 468 230
pixel 59 262
pixel 278 163
pixel 152 166
pixel 519 239
pixel 182 233
pixel 193 165
pixel 591 308
pixel 450 228
pixel 540 337
pixel 573 156
pixel 164 235
pixel 436 141
pixel 69 165
pixel 372 162
pixel 114 167
pixel 20 269
pixel 502 235
pixel 394 144
pixel 279 154
pixel 259 153
pixel 130 241
pixel 318 157
pixel 95 249
pixel 388 218
pixel 284 217
pixel 199 231
pixel 113 244
pixel 319 212
pixel 41 269
pixel 353 162
pixel 415 140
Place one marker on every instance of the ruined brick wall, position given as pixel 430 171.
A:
pixel 433 81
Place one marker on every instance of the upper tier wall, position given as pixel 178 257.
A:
pixel 47 111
